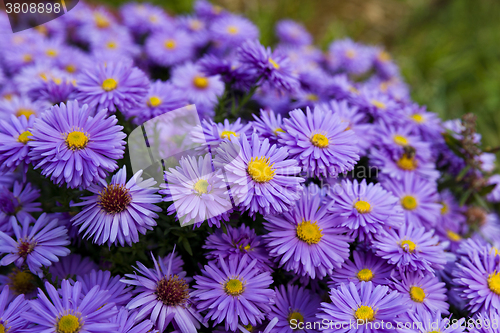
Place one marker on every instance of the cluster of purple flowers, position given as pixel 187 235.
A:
pixel 321 192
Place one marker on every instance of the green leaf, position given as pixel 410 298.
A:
pixel 465 196
pixel 487 190
pixel 187 246
pixel 462 173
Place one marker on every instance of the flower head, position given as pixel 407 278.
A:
pixel 320 141
pixel 115 85
pixel 230 31
pixel 260 176
pixel 14 136
pixel 163 297
pixel 19 203
pixel 167 48
pixel 365 306
pixel 117 212
pixel 293 33
pixel 72 147
pixel 241 291
pixel 305 239
pixel 34 245
pixel 10 312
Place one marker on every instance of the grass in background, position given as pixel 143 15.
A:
pixel 448 50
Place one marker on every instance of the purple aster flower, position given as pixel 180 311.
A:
pixel 197 29
pixel 320 141
pixel 261 178
pixel 425 322
pixel 451 224
pixel 118 41
pixel 294 305
pixel 117 212
pixel 378 104
pixel 269 125
pixel 366 306
pixel 397 167
pixel 207 11
pixel 213 134
pixel 291 32
pixel 198 192
pixel 115 85
pixel 272 68
pixel 364 267
pixel 143 18
pixel 169 47
pixel 366 209
pixel 20 106
pixel 349 56
pixel 69 310
pixel 231 70
pixel 230 31
pixel 161 98
pixel 163 298
pixel 234 292
pixel 411 249
pixel 72 147
pixel 74 61
pixel 477 280
pixel 357 121
pixel 119 292
pixel 198 88
pixel 34 245
pixel 127 323
pixel 426 124
pixel 305 239
pixel 384 64
pixel 19 203
pixel 71 266
pixel 398 139
pixel 418 197
pixel 10 312
pixel 235 243
pixel 54 89
pixel 422 293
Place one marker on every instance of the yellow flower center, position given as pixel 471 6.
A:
pixel 101 21
pixel 196 25
pixel 232 30
pixel 365 275
pixel 378 104
pixel 494 282
pixel 170 44
pixel 200 82
pixel 400 140
pixel 76 140
pixel 234 287
pixel 495 251
pixel 24 112
pixel 362 206
pixel 408 246
pixel 2 328
pixel 319 140
pixel 22 282
pixel 418 118
pixel 51 53
pixel 384 56
pixel 407 163
pixel 153 18
pixel 309 232
pixel 365 313
pixel 201 186
pixel 27 57
pixel 153 101
pixel 111 45
pixel 299 318
pixel 260 169
pixel 417 294
pixel 350 53
pixel 248 327
pixel 109 84
pixel 278 130
pixel 68 324
pixel 70 68
pixel 227 135
pixel 312 97
pixel 272 62
pixel 409 202
pixel 453 236
pixel 24 137
pixel 445 209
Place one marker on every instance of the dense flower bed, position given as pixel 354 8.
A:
pixel 319 197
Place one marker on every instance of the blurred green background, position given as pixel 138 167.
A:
pixel 448 50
